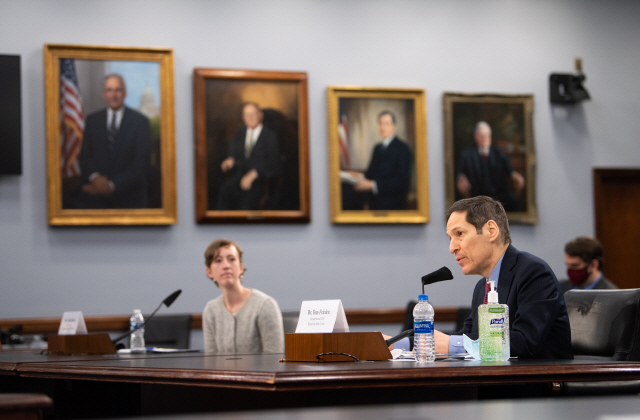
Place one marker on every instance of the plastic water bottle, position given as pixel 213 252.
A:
pixel 424 346
pixel 136 323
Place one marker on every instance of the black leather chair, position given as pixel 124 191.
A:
pixel 168 331
pixel 604 323
pixel 408 316
pixel 462 314
pixel 290 321
pixel 604 326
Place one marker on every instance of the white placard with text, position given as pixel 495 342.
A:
pixel 322 316
pixel 72 323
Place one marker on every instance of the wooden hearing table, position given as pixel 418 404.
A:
pixel 127 385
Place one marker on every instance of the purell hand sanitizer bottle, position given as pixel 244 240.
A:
pixel 493 326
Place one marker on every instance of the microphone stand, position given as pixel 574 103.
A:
pixel 439 275
pixel 167 301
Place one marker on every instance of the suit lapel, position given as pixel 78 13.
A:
pixel 506 275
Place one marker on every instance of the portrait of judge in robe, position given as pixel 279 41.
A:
pixel 492 151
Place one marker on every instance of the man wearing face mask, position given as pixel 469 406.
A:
pixel 583 258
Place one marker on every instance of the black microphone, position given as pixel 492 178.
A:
pixel 439 275
pixel 167 302
pixel 171 298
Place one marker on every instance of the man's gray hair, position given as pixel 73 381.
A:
pixel 480 124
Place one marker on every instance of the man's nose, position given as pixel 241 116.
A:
pixel 453 246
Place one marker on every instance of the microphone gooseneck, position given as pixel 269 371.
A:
pixel 399 337
pixel 167 302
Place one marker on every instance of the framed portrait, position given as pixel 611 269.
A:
pixel 252 146
pixel 110 135
pixel 377 155
pixel 489 150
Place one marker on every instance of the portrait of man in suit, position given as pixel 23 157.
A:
pixel 251 133
pixel 377 155
pixel 110 137
pixel 252 159
pixel 115 151
pixel 385 183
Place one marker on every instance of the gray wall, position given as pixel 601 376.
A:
pixel 459 46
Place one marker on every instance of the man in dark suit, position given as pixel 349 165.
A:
pixel 385 183
pixel 486 170
pixel 115 153
pixel 478 231
pixel 583 257
pixel 253 157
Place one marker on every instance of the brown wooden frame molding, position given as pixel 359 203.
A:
pixel 111 323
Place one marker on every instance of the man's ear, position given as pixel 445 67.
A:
pixel 493 230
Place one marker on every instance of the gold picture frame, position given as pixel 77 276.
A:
pixel 355 119
pixel 142 167
pixel 282 192
pixel 510 123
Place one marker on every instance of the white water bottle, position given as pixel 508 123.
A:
pixel 136 323
pixel 424 346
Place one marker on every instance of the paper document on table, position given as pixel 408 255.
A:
pixel 402 355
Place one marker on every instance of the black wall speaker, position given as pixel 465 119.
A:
pixel 567 88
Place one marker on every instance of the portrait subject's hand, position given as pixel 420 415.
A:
pixel 99 185
pixel 518 181
pixel 463 186
pixel 227 164
pixel 356 174
pixel 442 342
pixel 247 180
pixel 364 185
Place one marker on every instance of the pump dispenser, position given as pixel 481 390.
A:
pixel 493 326
pixel 492 296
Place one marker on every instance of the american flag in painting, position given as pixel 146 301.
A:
pixel 343 138
pixel 71 119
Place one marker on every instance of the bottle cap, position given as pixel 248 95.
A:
pixel 423 297
pixel 492 296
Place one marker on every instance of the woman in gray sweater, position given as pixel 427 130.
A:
pixel 241 320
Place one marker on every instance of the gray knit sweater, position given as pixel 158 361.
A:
pixel 254 328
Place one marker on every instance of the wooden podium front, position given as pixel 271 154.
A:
pixel 99 343
pixel 363 345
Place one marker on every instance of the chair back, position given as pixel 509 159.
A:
pixel 168 331
pixel 605 323
pixel 290 321
pixel 408 316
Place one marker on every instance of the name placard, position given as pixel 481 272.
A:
pixel 322 316
pixel 72 323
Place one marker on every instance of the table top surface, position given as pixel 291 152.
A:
pixel 601 408
pixel 267 372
